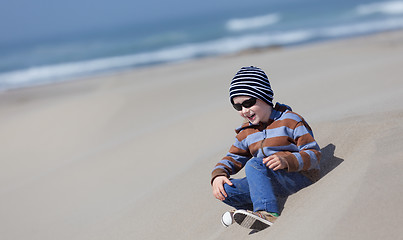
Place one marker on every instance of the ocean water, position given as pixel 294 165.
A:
pixel 30 62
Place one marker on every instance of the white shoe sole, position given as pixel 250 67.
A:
pixel 251 221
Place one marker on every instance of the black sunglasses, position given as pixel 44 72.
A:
pixel 246 104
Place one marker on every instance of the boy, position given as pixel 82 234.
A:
pixel 275 145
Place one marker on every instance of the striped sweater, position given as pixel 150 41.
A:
pixel 286 134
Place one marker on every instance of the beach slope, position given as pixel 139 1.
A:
pixel 129 155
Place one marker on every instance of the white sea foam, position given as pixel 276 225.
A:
pixel 388 8
pixel 50 73
pixel 363 28
pixel 240 24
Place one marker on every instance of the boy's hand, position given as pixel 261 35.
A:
pixel 275 162
pixel 218 187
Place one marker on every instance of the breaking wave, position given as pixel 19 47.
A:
pixel 241 24
pixel 387 8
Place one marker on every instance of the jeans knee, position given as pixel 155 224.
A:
pixel 254 164
pixel 238 195
pixel 227 188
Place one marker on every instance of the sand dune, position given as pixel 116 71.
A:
pixel 129 155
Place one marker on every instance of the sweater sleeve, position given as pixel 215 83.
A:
pixel 234 160
pixel 308 156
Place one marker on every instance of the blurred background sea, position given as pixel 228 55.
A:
pixel 48 41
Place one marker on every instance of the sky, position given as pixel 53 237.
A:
pixel 33 19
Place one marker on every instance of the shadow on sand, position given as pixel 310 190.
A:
pixel 328 161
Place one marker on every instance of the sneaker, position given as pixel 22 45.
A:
pixel 254 220
pixel 227 218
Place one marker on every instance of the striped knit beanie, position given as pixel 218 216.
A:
pixel 251 81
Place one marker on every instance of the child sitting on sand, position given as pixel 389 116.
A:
pixel 275 145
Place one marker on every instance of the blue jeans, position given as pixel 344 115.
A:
pixel 260 188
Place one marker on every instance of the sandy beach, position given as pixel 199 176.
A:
pixel 129 155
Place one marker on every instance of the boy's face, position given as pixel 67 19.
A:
pixel 260 112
